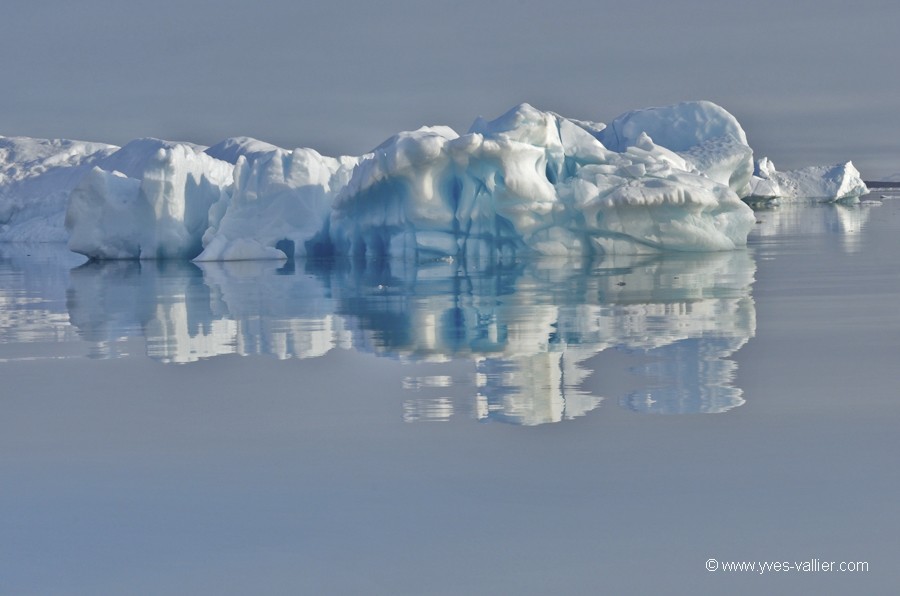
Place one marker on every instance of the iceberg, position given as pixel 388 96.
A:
pixel 36 178
pixel 279 201
pixel 703 133
pixel 234 147
pixel 529 183
pixel 837 182
pixel 149 200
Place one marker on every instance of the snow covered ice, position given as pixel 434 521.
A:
pixel 529 183
pixel 152 200
pixel 837 182
pixel 36 177
pixel 280 199
pixel 704 134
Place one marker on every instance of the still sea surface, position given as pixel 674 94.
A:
pixel 548 427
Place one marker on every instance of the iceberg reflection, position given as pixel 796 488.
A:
pixel 32 296
pixel 694 376
pixel 528 328
pixel 810 218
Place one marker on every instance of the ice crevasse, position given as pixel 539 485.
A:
pixel 527 183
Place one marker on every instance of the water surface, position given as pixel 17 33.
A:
pixel 532 427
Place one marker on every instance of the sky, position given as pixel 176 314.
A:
pixel 812 82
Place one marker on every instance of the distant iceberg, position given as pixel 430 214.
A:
pixel 837 182
pixel 529 183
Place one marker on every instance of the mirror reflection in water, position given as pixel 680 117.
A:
pixel 530 330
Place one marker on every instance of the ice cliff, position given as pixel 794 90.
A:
pixel 278 202
pixel 150 199
pixel 527 183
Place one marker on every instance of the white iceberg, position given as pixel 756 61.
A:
pixel 234 147
pixel 151 199
pixel 279 201
pixel 837 182
pixel 705 134
pixel 528 183
pixel 36 177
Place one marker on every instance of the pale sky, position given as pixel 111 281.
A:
pixel 812 82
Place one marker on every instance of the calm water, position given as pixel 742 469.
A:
pixel 531 428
